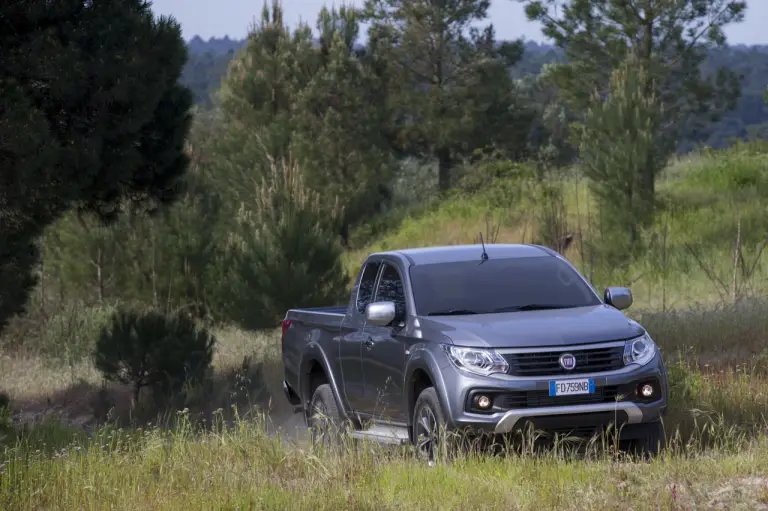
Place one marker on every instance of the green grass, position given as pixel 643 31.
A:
pixel 242 468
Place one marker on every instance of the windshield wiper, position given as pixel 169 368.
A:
pixel 453 312
pixel 532 307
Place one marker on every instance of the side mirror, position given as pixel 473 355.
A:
pixel 380 313
pixel 619 297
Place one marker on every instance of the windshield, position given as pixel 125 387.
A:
pixel 498 285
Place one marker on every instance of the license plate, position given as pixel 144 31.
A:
pixel 572 387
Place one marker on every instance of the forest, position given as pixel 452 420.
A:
pixel 208 61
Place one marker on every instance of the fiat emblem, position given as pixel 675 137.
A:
pixel 567 361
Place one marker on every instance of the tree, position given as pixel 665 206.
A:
pixel 668 39
pixel 549 146
pixel 621 141
pixel 283 251
pixel 91 118
pixel 339 141
pixel 453 89
pixel 169 259
pixel 263 83
pixel 149 349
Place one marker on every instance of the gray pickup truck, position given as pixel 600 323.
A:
pixel 491 338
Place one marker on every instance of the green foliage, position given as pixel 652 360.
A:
pixel 284 253
pixel 549 144
pixel 620 143
pixel 339 140
pixel 91 118
pixel 452 91
pixel 743 169
pixel 263 82
pixel 150 349
pixel 208 64
pixel 170 259
pixel 68 335
pixel 205 69
pixel 324 104
pixel 670 41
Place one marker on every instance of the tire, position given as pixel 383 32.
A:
pixel 324 420
pixel 428 425
pixel 650 444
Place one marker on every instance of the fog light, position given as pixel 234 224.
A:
pixel 646 390
pixel 483 402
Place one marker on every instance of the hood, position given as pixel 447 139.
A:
pixel 563 327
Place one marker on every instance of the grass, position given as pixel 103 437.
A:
pixel 717 427
pixel 233 447
pixel 242 468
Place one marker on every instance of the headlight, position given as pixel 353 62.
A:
pixel 475 360
pixel 639 351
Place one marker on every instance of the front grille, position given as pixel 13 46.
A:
pixel 539 398
pixel 547 363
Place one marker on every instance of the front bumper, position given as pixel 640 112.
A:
pixel 508 422
pixel 547 413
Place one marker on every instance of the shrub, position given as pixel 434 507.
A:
pixel 153 350
pixel 286 252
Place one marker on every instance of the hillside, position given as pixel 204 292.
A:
pixel 709 196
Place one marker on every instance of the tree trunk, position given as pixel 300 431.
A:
pixel 100 274
pixel 136 392
pixel 443 169
pixel 648 179
pixel 344 234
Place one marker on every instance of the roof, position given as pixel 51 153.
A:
pixel 456 253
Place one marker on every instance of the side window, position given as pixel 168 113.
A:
pixel 365 289
pixel 391 289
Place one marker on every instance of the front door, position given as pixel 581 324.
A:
pixel 352 337
pixel 384 353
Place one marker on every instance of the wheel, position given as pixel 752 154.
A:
pixel 324 419
pixel 428 424
pixel 651 443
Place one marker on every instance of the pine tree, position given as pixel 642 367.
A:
pixel 668 39
pixel 339 140
pixel 621 141
pixel 453 92
pixel 91 118
pixel 283 252
pixel 263 83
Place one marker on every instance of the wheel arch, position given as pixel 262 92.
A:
pixel 315 370
pixel 423 372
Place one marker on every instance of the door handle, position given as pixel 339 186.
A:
pixel 369 343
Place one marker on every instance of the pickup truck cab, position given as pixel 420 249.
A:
pixel 491 338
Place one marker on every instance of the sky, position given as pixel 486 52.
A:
pixel 208 18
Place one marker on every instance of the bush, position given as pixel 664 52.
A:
pixel 150 349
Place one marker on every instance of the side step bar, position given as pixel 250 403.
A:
pixel 384 434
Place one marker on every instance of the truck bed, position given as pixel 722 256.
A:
pixel 319 315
